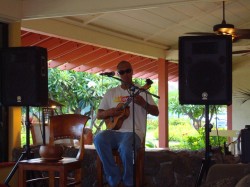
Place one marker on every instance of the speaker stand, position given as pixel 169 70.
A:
pixel 206 162
pixel 27 153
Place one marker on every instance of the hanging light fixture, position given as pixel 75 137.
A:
pixel 224 28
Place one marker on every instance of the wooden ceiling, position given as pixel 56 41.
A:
pixel 70 55
pixel 94 36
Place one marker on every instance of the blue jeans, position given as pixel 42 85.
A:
pixel 107 140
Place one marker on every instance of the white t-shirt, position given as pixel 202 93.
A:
pixel 117 95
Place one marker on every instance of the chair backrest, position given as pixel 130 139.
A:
pixel 68 126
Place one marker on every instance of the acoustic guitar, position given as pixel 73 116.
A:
pixel 115 122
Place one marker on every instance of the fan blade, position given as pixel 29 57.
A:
pixel 242 31
pixel 200 33
pixel 241 52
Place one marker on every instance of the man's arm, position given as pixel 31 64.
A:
pixel 151 109
pixel 103 114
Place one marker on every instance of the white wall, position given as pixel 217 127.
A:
pixel 241 81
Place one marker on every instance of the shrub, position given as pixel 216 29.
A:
pixel 179 129
pixel 198 142
pixel 178 121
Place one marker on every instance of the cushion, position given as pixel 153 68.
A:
pixel 225 182
pixel 244 182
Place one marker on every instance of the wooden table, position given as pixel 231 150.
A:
pixel 63 167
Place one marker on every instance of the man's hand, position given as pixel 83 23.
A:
pixel 140 100
pixel 113 112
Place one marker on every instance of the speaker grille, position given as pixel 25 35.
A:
pixel 24 76
pixel 205 70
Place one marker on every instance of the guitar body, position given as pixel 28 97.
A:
pixel 115 123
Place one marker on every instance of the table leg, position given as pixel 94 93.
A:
pixel 51 178
pixel 22 176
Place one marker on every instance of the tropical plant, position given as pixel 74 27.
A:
pixel 242 94
pixel 79 92
pixel 195 112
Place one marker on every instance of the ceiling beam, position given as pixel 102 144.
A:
pixel 53 27
pixel 10 10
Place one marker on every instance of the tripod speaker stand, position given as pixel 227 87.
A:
pixel 206 162
pixel 27 153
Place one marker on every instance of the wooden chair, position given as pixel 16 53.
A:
pixel 68 126
pixel 139 166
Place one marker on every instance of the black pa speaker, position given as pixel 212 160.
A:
pixel 245 144
pixel 24 76
pixel 205 70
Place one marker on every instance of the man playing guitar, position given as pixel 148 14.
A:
pixel 120 137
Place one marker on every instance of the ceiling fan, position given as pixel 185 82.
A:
pixel 226 29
